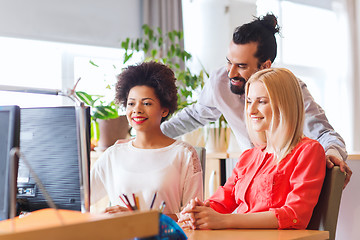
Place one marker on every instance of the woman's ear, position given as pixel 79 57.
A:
pixel 165 112
pixel 266 64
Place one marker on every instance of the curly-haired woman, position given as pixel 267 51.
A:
pixel 151 162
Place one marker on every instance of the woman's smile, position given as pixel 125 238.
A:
pixel 139 120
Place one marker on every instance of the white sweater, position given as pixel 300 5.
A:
pixel 174 172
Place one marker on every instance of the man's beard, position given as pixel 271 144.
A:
pixel 239 90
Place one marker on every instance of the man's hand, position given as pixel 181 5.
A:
pixel 332 161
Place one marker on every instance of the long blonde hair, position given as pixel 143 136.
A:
pixel 287 104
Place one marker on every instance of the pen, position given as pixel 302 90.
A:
pixel 129 207
pixel 162 206
pixel 127 200
pixel 135 204
pixel 153 200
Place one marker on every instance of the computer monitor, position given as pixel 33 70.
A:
pixel 51 141
pixel 9 139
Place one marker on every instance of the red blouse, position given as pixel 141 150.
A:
pixel 290 189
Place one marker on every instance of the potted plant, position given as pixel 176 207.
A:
pixel 165 48
pixel 217 136
pixel 105 119
pixel 156 46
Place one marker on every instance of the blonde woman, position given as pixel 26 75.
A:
pixel 277 183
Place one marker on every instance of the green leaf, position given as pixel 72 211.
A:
pixel 146 46
pixel 105 112
pixel 187 56
pixel 127 57
pixel 172 49
pixel 153 53
pixel 160 42
pixel 137 45
pixel 125 44
pixel 94 129
pixel 146 29
pixel 171 36
pixel 153 39
pixel 92 63
pixel 150 34
pixel 178 52
pixel 86 98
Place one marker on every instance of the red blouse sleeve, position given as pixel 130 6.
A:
pixel 223 200
pixel 305 183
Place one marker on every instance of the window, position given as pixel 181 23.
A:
pixel 312 44
pixel 32 64
pixel 51 65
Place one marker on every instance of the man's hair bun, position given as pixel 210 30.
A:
pixel 270 22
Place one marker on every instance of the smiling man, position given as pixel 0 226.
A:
pixel 252 48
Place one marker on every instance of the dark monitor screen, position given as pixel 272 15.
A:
pixel 9 138
pixel 49 141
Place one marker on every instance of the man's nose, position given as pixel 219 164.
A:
pixel 232 72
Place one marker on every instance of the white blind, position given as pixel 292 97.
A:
pixel 89 22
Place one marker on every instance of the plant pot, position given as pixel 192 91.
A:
pixel 111 130
pixel 216 139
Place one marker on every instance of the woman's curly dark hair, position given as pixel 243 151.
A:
pixel 152 74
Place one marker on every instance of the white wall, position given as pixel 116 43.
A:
pixel 208 35
pixel 356 87
pixel 349 215
pixel 89 22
